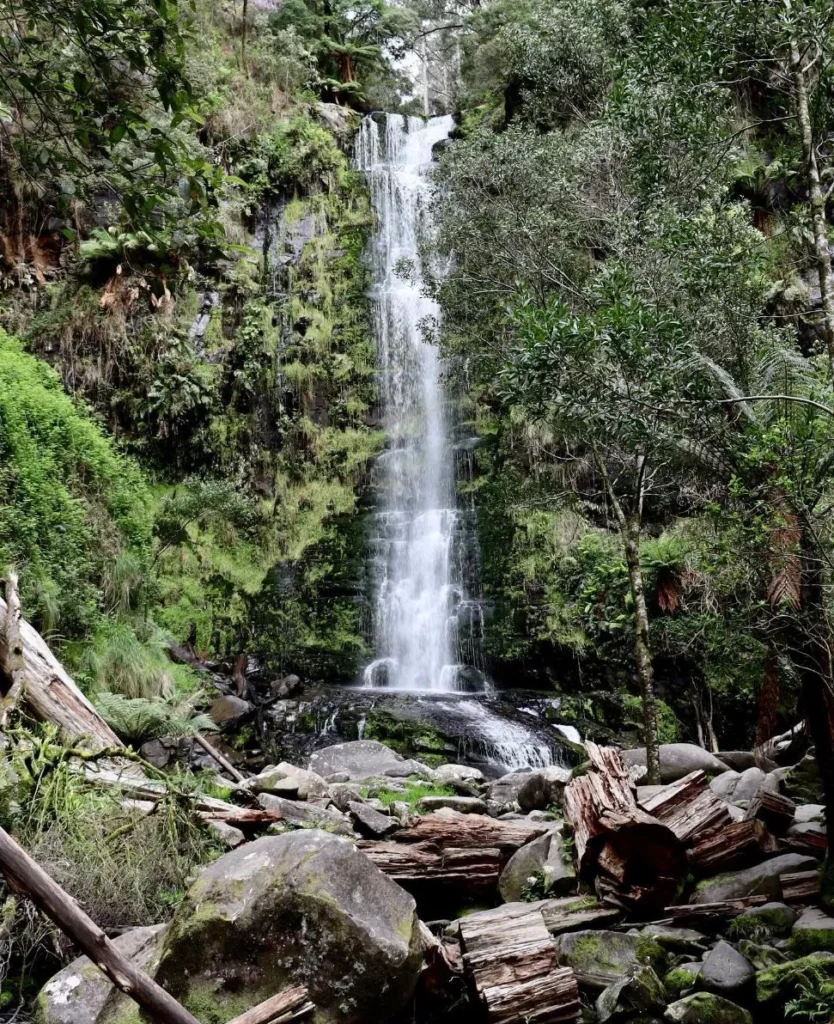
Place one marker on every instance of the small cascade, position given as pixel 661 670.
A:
pixel 427 624
pixel 496 739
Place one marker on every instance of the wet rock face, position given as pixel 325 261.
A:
pixel 301 908
pixel 364 759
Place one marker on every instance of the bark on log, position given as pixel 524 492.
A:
pixel 219 758
pixel 636 860
pixel 450 829
pixel 736 845
pixel 774 809
pixel 15 668
pixel 517 976
pixel 800 886
pixel 484 929
pixel 417 863
pixel 688 807
pixel 25 876
pixel 50 692
pixel 291 1005
pixel 705 915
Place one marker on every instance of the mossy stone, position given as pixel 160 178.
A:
pixel 778 984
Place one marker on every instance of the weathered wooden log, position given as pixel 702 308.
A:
pixel 51 694
pixel 294 1004
pixel 808 836
pixel 418 863
pixel 450 829
pixel 516 974
pixel 688 807
pixel 485 928
pixel 25 876
pixel 635 860
pixel 735 845
pixel 774 809
pixel 219 758
pixel 706 915
pixel 15 667
pixel 800 886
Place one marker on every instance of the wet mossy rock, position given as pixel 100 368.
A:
pixel 776 985
pixel 706 1008
pixel 301 908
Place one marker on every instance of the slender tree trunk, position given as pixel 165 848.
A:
pixel 243 36
pixel 816 198
pixel 630 533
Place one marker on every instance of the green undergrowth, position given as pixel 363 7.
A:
pixel 414 791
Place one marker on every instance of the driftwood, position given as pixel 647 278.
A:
pixel 288 1006
pixel 774 809
pixel 705 915
pixel 688 807
pixel 515 971
pixel 51 694
pixel 449 829
pixel 635 860
pixel 417 863
pixel 800 886
pixel 743 842
pixel 25 876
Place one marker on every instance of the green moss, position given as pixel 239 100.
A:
pixel 649 951
pixel 812 940
pixel 414 791
pixel 779 983
pixel 678 980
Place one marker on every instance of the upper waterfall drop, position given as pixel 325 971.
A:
pixel 422 611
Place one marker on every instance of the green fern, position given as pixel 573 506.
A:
pixel 136 719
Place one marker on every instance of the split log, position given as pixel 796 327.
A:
pixel 25 876
pixel 219 758
pixel 50 692
pixel 637 861
pixel 774 809
pixel 800 886
pixel 736 845
pixel 417 863
pixel 711 915
pixel 688 807
pixel 288 1006
pixel 15 668
pixel 451 829
pixel 485 928
pixel 516 973
pixel 241 817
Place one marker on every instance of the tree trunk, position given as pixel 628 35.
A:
pixel 642 648
pixel 15 666
pixel 816 198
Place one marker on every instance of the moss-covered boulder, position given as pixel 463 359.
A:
pixel 545 862
pixel 80 993
pixel 707 1008
pixel 813 932
pixel 639 991
pixel 761 880
pixel 682 978
pixel 301 908
pixel 770 921
pixel 776 985
pixel 600 958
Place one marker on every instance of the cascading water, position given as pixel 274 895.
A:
pixel 423 618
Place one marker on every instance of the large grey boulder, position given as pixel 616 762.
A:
pixel 813 932
pixel 543 788
pixel 805 813
pixel 302 814
pixel 302 908
pixel 739 788
pixel 371 822
pixel 769 921
pixel 761 880
pixel 543 860
pixel 726 971
pixel 639 991
pixel 707 1008
pixel 449 774
pixel 228 710
pixel 79 993
pixel 502 794
pixel 364 759
pixel 598 958
pixel 285 778
pixel 677 760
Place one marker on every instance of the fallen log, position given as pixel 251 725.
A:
pixel 516 973
pixel 774 809
pixel 51 694
pixel 485 928
pixel 705 915
pixel 450 829
pixel 15 668
pixel 417 863
pixel 27 877
pixel 736 845
pixel 219 758
pixel 688 807
pixel 288 1006
pixel 634 859
pixel 800 886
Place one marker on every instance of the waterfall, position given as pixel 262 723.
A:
pixel 423 619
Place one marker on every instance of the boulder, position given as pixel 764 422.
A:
pixel 676 940
pixel 228 710
pixel 286 686
pixel 463 804
pixel 78 993
pixel 543 788
pixel 302 908
pixel 285 777
pixel 598 958
pixel 682 978
pixel 760 880
pixel 448 774
pixel 158 752
pixel 364 759
pixel 770 921
pixel 227 834
pixel 761 957
pixel 806 813
pixel 738 760
pixel 502 794
pixel 726 971
pixel 639 991
pixel 371 823
pixel 706 1008
pixel 306 815
pixel 543 860
pixel 739 788
pixel 677 760
pixel 776 985
pixel 813 932
pixel 342 794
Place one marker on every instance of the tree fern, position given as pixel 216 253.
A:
pixel 136 719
